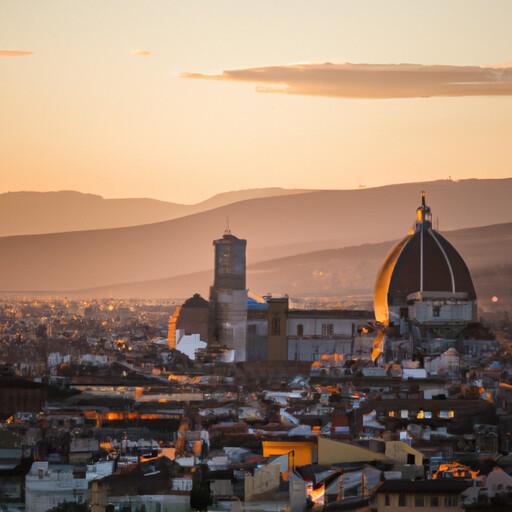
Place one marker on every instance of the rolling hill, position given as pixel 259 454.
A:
pixel 24 213
pixel 345 272
pixel 275 227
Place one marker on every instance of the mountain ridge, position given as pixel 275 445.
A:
pixel 346 273
pixel 58 202
pixel 479 231
pixel 338 272
pixel 64 211
pixel 274 227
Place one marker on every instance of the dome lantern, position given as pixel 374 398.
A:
pixel 423 213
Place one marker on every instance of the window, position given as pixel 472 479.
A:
pixel 451 501
pixel 276 326
pixel 402 500
pixel 224 261
pixel 300 330
pixel 387 500
pixel 436 311
pixel 419 501
pixel 434 501
pixel 327 329
pixel 446 414
pixel 411 459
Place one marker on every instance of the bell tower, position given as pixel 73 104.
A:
pixel 228 295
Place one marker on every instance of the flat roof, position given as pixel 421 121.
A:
pixel 424 486
pixel 331 313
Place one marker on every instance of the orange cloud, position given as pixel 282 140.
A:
pixel 15 53
pixel 142 53
pixel 373 80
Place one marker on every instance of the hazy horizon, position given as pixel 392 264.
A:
pixel 179 101
pixel 247 189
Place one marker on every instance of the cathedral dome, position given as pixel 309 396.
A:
pixel 424 261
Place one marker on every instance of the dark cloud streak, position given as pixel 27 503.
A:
pixel 373 80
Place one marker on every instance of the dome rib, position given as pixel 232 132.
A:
pixel 452 276
pixel 462 275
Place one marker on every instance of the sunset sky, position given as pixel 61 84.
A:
pixel 179 100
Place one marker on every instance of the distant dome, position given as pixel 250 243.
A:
pixel 196 301
pixel 424 261
pixel 191 317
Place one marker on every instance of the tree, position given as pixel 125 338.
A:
pixel 200 496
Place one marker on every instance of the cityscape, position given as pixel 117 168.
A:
pixel 242 400
pixel 255 256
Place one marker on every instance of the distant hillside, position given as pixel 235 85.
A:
pixel 274 227
pixel 23 213
pixel 349 271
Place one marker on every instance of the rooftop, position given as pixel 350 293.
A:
pixel 424 486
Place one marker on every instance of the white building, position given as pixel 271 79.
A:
pixel 447 363
pixel 188 344
pixel 313 333
pixel 48 485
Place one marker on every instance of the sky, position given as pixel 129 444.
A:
pixel 180 100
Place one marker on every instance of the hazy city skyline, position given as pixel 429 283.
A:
pixel 255 255
pixel 97 99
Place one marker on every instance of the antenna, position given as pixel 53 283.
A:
pixel 423 195
pixel 227 231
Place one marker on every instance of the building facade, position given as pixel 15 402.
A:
pixel 309 334
pixel 46 486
